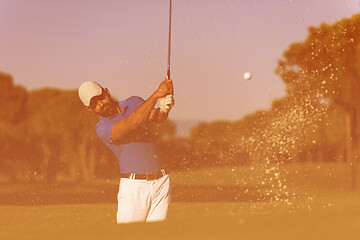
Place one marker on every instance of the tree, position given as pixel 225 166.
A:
pixel 325 68
pixel 12 99
pixel 12 112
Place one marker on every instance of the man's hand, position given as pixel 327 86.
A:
pixel 166 103
pixel 165 88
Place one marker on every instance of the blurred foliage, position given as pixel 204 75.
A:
pixel 47 135
pixel 12 99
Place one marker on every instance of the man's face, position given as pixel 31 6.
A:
pixel 102 104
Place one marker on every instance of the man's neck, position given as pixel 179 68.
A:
pixel 114 109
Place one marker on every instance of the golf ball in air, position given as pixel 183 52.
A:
pixel 247 76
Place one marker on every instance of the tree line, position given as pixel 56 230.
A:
pixel 47 135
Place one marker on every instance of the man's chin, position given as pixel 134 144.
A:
pixel 108 111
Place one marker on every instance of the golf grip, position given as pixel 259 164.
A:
pixel 168 77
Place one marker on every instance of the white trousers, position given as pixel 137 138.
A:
pixel 142 200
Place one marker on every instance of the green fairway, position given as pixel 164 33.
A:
pixel 244 204
pixel 186 221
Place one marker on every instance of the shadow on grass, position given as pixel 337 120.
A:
pixel 40 194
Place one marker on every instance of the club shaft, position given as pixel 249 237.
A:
pixel 169 46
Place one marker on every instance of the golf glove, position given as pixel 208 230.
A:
pixel 166 103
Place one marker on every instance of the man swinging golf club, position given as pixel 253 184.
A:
pixel 144 190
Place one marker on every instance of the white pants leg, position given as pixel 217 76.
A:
pixel 160 200
pixel 141 200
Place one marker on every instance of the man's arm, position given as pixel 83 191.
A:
pixel 158 116
pixel 141 114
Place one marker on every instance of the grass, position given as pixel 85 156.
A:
pixel 223 203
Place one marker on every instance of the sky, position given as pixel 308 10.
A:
pixel 124 45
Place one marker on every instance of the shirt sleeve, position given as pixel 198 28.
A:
pixel 136 101
pixel 103 130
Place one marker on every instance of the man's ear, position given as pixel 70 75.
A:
pixel 88 108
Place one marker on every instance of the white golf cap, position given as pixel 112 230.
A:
pixel 88 90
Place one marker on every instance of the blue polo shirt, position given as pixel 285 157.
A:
pixel 136 152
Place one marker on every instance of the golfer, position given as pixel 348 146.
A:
pixel 144 190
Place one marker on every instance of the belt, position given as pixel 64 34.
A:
pixel 146 176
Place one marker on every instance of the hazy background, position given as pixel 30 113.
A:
pixel 123 45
